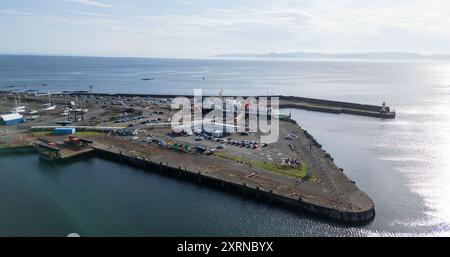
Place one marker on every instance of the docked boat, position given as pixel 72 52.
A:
pixel 49 106
pixel 32 117
pixel 78 109
pixel 19 108
pixel 66 112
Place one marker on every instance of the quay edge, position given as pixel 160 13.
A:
pixel 359 217
pixel 303 206
pixel 336 107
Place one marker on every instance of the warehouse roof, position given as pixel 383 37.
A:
pixel 12 116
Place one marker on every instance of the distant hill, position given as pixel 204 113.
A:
pixel 312 55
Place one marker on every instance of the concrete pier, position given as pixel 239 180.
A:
pixel 270 194
pixel 274 193
pixel 295 102
pixel 337 107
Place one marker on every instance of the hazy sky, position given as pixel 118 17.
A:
pixel 191 28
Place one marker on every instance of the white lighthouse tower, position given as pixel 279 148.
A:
pixel 383 107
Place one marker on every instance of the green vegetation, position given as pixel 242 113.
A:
pixel 228 157
pixel 87 133
pixel 288 171
pixel 304 172
pixel 78 134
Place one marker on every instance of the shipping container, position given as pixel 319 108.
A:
pixel 64 131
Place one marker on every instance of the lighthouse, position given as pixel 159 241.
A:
pixel 383 108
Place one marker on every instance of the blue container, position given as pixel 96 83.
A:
pixel 64 131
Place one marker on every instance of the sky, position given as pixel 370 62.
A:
pixel 202 28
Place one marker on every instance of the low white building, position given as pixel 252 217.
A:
pixel 11 119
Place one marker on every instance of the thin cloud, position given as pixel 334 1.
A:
pixel 14 12
pixel 187 2
pixel 234 18
pixel 197 28
pixel 90 22
pixel 93 14
pixel 89 2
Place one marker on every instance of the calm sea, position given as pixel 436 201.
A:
pixel 403 164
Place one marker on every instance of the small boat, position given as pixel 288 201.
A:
pixel 49 106
pixel 66 111
pixel 32 117
pixel 32 112
pixel 18 109
pixel 80 110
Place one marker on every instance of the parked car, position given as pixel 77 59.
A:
pixel 200 148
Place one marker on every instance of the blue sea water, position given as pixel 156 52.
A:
pixel 403 164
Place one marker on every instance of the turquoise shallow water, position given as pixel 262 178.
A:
pixel 94 197
pixel 402 164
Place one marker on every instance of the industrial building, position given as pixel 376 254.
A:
pixel 11 119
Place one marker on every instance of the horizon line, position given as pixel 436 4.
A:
pixel 224 55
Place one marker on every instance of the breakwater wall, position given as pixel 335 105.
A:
pixel 296 204
pixel 297 102
pixel 365 107
pixel 337 107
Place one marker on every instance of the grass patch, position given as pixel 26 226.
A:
pixel 228 157
pixel 87 133
pixel 78 134
pixel 293 172
pixel 301 173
